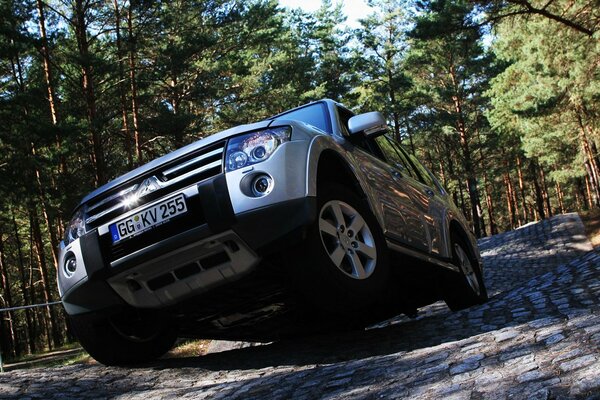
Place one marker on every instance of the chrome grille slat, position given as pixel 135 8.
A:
pixel 176 174
pixel 212 165
pixel 112 197
pixel 94 217
pixel 193 161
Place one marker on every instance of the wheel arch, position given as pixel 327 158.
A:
pixel 331 167
pixel 456 227
pixel 329 161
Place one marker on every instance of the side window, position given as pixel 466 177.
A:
pixel 422 173
pixel 393 156
pixel 427 175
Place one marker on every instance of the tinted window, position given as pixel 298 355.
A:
pixel 423 173
pixel 315 114
pixel 344 116
pixel 393 156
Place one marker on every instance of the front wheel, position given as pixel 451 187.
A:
pixel 468 288
pixel 125 339
pixel 342 266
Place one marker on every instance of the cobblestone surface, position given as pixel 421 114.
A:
pixel 537 338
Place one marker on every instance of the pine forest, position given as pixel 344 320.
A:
pixel 500 99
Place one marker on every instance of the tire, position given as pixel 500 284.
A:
pixel 467 288
pixel 342 266
pixel 123 340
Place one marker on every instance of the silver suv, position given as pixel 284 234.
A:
pixel 311 219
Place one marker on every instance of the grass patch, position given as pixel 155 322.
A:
pixel 57 358
pixel 189 348
pixel 81 357
pixel 591 221
pixel 44 353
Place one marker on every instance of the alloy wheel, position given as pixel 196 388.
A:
pixel 347 239
pixel 467 269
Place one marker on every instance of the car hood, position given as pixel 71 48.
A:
pixel 132 175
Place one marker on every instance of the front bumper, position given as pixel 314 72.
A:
pixel 186 257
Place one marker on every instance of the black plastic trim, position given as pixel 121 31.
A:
pixel 268 226
pixel 90 296
pixel 417 250
pixel 92 255
pixel 216 204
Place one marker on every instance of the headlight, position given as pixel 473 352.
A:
pixel 75 228
pixel 252 148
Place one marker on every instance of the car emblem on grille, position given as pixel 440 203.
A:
pixel 148 185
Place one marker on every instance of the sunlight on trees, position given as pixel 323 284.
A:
pixel 89 90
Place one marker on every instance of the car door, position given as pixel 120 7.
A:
pixel 429 197
pixel 402 221
pixel 409 199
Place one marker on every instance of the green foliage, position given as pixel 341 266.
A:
pixel 508 116
pixel 548 93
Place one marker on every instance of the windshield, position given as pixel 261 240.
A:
pixel 313 114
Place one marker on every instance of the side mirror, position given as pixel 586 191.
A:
pixel 371 124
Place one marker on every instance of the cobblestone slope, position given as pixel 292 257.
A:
pixel 537 337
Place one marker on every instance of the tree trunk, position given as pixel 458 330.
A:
pixel 13 348
pixel 591 166
pixel 490 205
pixel 45 51
pixel 462 200
pixel 522 189
pixel 52 101
pixel 591 198
pixel 45 206
pixel 559 196
pixel 488 197
pixel 47 68
pixel 509 200
pixel 45 281
pixel 133 82
pixel 442 170
pixel 24 290
pixel 580 195
pixel 539 198
pixel 545 193
pixel 534 210
pixel 33 283
pixel 467 161
pixel 516 204
pixel 122 91
pixel 392 94
pixel 87 85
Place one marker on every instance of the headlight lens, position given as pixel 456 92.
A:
pixel 76 227
pixel 252 148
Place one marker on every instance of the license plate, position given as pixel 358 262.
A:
pixel 148 218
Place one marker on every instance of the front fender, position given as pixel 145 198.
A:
pixel 322 144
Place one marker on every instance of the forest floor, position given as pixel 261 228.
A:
pixel 537 337
pixel 66 355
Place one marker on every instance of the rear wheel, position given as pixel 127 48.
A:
pixel 342 266
pixel 125 339
pixel 468 288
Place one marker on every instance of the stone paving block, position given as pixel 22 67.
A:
pixel 537 337
pixel 576 363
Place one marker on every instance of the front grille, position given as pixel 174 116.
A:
pixel 180 173
pixel 191 219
